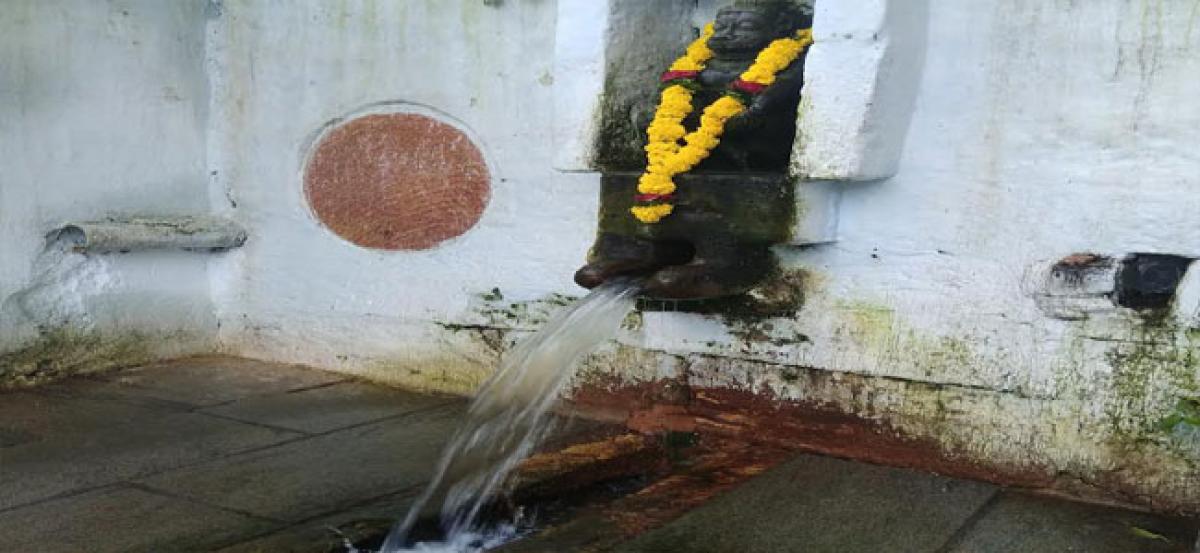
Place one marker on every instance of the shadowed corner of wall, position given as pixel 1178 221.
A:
pixel 70 268
pixel 53 330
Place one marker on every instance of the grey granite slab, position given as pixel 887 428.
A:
pixel 121 520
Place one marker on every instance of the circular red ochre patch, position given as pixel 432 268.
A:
pixel 399 181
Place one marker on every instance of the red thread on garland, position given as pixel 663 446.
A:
pixel 748 87
pixel 677 75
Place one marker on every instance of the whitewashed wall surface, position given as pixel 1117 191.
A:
pixel 986 169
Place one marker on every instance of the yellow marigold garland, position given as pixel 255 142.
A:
pixel 696 57
pixel 665 156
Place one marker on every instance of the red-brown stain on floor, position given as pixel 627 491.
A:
pixel 398 181
pixel 763 421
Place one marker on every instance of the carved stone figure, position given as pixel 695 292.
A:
pixel 761 139
pixel 736 203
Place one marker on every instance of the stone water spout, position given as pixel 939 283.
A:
pixel 730 208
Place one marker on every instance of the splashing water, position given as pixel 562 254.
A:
pixel 509 418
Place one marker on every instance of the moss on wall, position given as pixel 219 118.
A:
pixel 497 311
pixel 619 143
pixel 1155 377
pixel 875 328
pixel 480 340
pixel 64 352
pixel 450 374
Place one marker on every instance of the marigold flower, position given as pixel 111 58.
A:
pixel 665 132
pixel 651 213
pixel 661 148
pixel 726 107
pixel 653 183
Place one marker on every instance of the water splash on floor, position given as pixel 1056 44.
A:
pixel 508 419
pixel 463 542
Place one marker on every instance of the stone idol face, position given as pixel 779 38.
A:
pixel 741 32
pixel 732 206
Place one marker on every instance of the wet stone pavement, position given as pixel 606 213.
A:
pixel 231 455
pixel 207 453
pixel 816 504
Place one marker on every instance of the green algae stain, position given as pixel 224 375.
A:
pixel 1186 414
pixel 64 352
pixel 1070 369
pixel 498 313
pixel 1155 380
pixel 878 332
pixel 457 375
pixel 869 324
pixel 943 354
pixel 494 295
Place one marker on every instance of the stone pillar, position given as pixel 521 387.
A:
pixel 861 79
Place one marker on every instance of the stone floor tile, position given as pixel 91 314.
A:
pixel 821 505
pixel 590 532
pixel 307 478
pixel 327 408
pixel 325 533
pixel 1019 523
pixel 27 417
pixel 207 381
pixel 122 520
pixel 94 443
pixel 263 458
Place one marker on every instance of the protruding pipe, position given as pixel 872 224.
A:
pixel 198 233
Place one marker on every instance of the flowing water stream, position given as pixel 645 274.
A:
pixel 507 419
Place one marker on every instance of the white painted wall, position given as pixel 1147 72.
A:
pixel 861 79
pixel 300 293
pixel 103 111
pixel 1038 131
